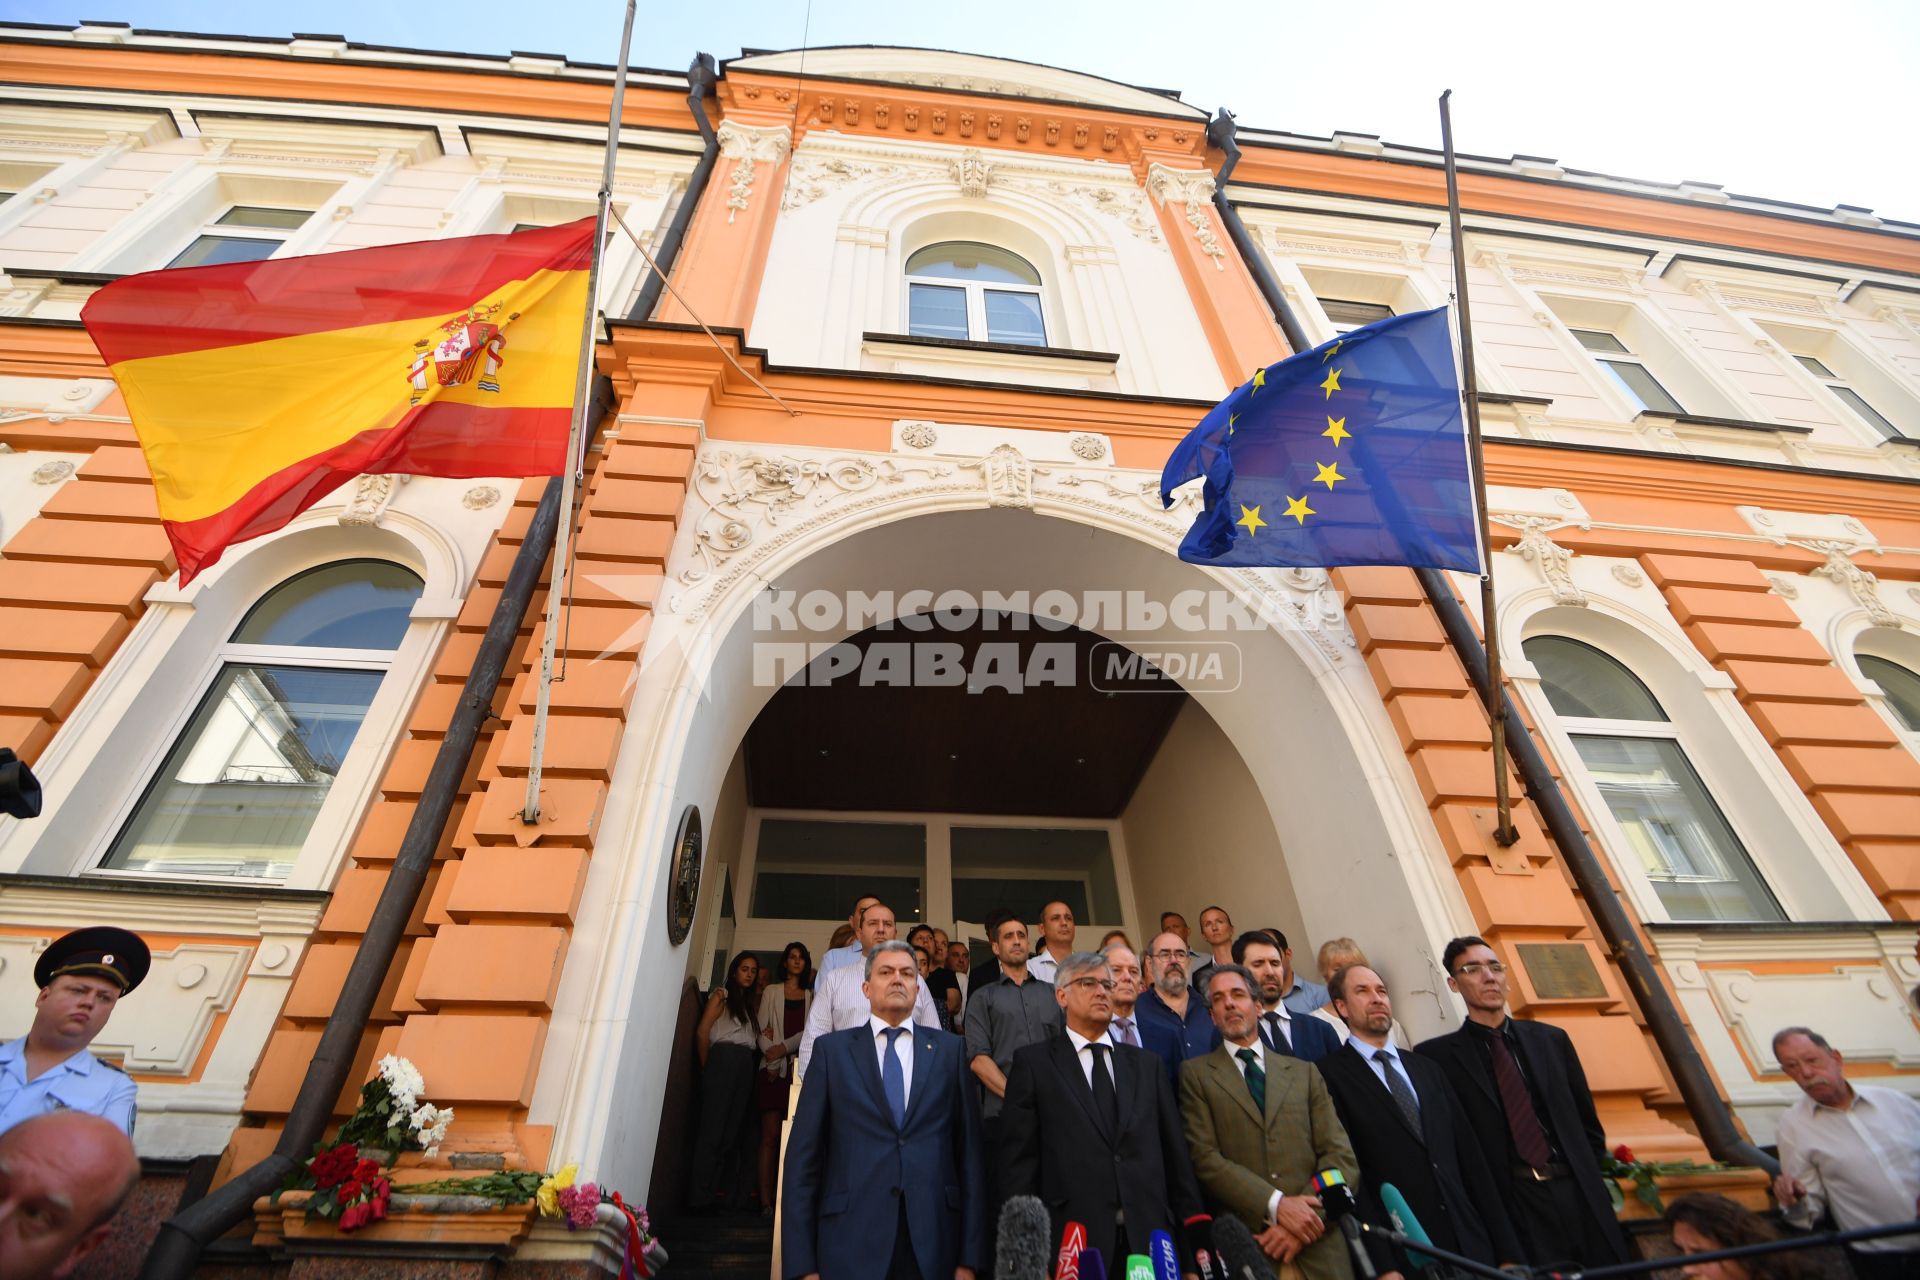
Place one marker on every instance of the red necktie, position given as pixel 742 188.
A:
pixel 1529 1139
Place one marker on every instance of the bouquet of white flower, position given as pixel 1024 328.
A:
pixel 391 1115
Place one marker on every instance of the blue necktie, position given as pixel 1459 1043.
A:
pixel 893 1078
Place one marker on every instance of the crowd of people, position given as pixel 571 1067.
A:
pixel 1165 1089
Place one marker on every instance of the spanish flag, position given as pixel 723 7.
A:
pixel 257 388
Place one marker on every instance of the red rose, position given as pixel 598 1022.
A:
pixel 367 1170
pixel 349 1191
pixel 333 1166
pixel 356 1217
pixel 1623 1153
pixel 378 1207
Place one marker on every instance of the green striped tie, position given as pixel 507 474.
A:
pixel 1256 1079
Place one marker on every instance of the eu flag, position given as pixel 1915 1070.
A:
pixel 1351 453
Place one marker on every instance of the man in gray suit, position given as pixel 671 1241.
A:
pixel 1259 1125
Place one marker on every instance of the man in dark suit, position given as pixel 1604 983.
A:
pixel 1091 1127
pixel 1409 1130
pixel 1259 1125
pixel 850 1200
pixel 1523 1089
pixel 1302 1037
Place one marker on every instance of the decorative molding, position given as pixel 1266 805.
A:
pixel 1861 585
pixel 812 177
pixel 1554 561
pixel 1784 586
pixel 746 145
pixel 369 499
pixel 1125 204
pixel 53 472
pixel 919 435
pixel 973 172
pixel 1087 445
pixel 1008 475
pixel 1629 575
pixel 1193 188
pixel 480 497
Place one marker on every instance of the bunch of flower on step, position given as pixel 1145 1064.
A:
pixel 1620 1165
pixel 391 1114
pixel 348 1189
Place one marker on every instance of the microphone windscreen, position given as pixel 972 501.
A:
pixel 1139 1267
pixel 1093 1265
pixel 1207 1263
pixel 1336 1196
pixel 1021 1247
pixel 1237 1249
pixel 1406 1222
pixel 1164 1261
pixel 1073 1239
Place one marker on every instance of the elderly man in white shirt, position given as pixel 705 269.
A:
pixel 1853 1149
pixel 840 998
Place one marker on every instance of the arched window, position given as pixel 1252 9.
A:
pixel 243 783
pixel 1901 686
pixel 1690 854
pixel 974 293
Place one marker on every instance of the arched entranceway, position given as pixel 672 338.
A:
pixel 1285 797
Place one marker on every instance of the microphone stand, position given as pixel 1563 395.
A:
pixel 1472 1266
pixel 1350 1227
pixel 1740 1251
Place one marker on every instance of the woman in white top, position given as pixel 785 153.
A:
pixel 783 1017
pixel 729 1042
pixel 1336 955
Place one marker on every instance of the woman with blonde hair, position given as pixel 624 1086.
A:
pixel 1334 955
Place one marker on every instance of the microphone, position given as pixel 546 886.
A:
pixel 1164 1262
pixel 1336 1198
pixel 1092 1265
pixel 1406 1223
pixel 1139 1267
pixel 1073 1238
pixel 1020 1246
pixel 1207 1263
pixel 1237 1249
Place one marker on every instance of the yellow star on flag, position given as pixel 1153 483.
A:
pixel 1332 384
pixel 1250 519
pixel 1298 509
pixel 1231 419
pixel 1333 351
pixel 1336 430
pixel 1259 378
pixel 1329 472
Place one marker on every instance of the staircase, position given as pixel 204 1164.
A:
pixel 722 1246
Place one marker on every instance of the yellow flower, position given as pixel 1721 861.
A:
pixel 548 1194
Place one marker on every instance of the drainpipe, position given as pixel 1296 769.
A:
pixel 1709 1110
pixel 177 1248
pixel 701 78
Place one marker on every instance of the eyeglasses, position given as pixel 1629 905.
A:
pixel 1493 967
pixel 1105 984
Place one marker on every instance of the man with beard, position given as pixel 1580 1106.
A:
pixel 1308 1039
pixel 1176 1015
pixel 1408 1129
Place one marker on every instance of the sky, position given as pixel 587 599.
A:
pixel 1798 102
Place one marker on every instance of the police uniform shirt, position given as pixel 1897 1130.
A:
pixel 81 1083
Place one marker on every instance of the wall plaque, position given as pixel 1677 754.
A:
pixel 683 876
pixel 1561 971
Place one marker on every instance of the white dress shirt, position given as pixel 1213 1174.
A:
pixel 852 953
pixel 1042 965
pixel 1395 1032
pixel 1285 1015
pixel 840 1003
pixel 1085 1059
pixel 1367 1051
pixel 1266 1059
pixel 902 1049
pixel 1863 1162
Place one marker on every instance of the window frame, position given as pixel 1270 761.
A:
pixel 975 292
pixel 1855 403
pixel 1348 326
pixel 1607 362
pixel 214 229
pixel 1612 834
pixel 341 801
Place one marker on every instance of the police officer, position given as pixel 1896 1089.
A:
pixel 81 977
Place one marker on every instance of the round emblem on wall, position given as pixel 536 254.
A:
pixel 683 876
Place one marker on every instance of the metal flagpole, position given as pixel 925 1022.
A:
pixel 577 432
pixel 1504 835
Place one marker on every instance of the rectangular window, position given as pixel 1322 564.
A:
pixel 1014 317
pixel 1695 862
pixel 1852 399
pixel 1024 868
pixel 1625 371
pixel 811 870
pixel 246 233
pixel 937 311
pixel 240 790
pixel 1348 316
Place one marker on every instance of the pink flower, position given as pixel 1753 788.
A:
pixel 579 1204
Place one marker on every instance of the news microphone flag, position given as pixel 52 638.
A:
pixel 1353 453
pixel 257 388
pixel 1139 1267
pixel 1406 1223
pixel 1166 1262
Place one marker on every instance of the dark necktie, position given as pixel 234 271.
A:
pixel 1105 1102
pixel 1523 1122
pixel 1397 1086
pixel 893 1078
pixel 1126 1032
pixel 1256 1079
pixel 1275 1035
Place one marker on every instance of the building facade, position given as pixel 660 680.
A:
pixel 961 308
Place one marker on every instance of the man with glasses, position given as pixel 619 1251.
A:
pixel 1091 1127
pixel 1176 1015
pixel 1528 1101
